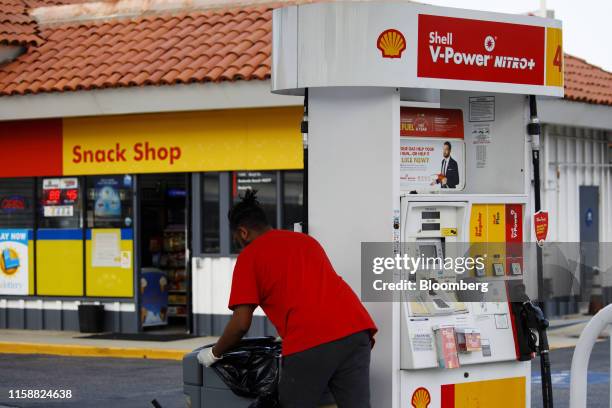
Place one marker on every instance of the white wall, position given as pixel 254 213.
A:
pixel 353 195
pixel 211 285
pixel 575 157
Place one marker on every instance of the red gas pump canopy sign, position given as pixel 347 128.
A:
pixel 410 45
pixel 477 50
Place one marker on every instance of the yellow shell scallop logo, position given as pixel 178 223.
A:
pixel 3 267
pixel 391 43
pixel 420 398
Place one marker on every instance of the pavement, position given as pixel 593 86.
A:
pixel 562 333
pixel 132 373
pixel 565 332
pixel 65 343
pixel 134 383
pixel 92 382
pixel 598 377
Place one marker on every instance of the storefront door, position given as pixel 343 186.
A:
pixel 164 252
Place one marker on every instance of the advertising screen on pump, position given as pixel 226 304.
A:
pixel 432 149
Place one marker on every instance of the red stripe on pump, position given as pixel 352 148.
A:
pixel 447 395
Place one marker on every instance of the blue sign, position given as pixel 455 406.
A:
pixel 561 379
pixel 588 219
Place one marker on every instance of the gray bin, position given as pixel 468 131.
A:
pixel 204 389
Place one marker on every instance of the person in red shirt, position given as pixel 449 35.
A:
pixel 327 333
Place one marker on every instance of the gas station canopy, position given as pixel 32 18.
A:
pixel 408 45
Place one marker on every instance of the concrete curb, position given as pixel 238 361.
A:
pixel 77 350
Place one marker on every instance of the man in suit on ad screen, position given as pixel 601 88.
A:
pixel 449 170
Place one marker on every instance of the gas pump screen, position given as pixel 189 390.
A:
pixel 428 251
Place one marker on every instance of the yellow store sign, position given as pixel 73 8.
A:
pixel 242 139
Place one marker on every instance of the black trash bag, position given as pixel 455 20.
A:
pixel 266 401
pixel 252 370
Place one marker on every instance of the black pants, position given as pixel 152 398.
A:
pixel 343 365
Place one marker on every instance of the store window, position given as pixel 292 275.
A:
pixel 17 203
pixel 280 193
pixel 109 201
pixel 60 203
pixel 211 242
pixel 265 184
pixel 293 199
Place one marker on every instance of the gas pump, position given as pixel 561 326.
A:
pixel 417 137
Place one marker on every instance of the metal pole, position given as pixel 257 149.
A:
pixel 610 341
pixel 304 129
pixel 534 129
pixel 582 355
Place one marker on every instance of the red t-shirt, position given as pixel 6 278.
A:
pixel 289 275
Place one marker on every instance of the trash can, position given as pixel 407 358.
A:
pixel 205 388
pixel 91 318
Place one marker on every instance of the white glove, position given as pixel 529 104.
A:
pixel 206 357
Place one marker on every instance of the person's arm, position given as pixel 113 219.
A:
pixel 238 326
pixel 244 298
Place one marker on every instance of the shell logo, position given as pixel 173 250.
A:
pixel 391 43
pixel 420 398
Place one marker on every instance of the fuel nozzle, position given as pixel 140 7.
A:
pixel 534 321
pixel 534 316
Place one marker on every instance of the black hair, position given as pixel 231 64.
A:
pixel 449 145
pixel 247 213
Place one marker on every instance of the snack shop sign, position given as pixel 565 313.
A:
pixel 120 153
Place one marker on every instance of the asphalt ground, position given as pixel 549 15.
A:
pixel 133 383
pixel 561 360
pixel 94 382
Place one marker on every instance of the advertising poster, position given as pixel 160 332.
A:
pixel 432 149
pixel 106 247
pixel 107 205
pixel 14 262
pixel 154 297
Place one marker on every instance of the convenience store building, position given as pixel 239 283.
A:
pixel 126 137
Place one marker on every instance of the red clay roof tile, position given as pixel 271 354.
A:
pixel 585 82
pixel 161 49
pixel 16 25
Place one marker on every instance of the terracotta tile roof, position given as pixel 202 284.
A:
pixel 200 46
pixel 585 82
pixel 211 45
pixel 45 3
pixel 16 26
